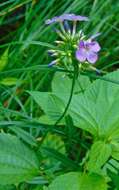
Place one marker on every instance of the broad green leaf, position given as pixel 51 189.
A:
pixel 18 163
pixel 98 155
pixel 46 120
pixel 97 109
pixel 69 181
pixel 49 102
pixel 78 181
pixel 86 108
pixel 9 81
pixel 4 60
pixel 93 182
pixel 61 84
pixel 53 103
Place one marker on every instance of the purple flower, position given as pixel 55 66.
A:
pixel 53 20
pixel 73 17
pixel 70 17
pixel 88 50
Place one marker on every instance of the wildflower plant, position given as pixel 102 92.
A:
pixel 73 49
pixel 65 137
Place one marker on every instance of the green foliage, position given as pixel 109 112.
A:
pixel 61 84
pixel 115 179
pixel 7 187
pixel 52 103
pixel 4 59
pixel 8 81
pixel 53 142
pixel 24 135
pixel 83 110
pixel 18 163
pixel 76 181
pixel 87 113
pixel 85 106
pixel 90 126
pixel 99 154
pixel 39 180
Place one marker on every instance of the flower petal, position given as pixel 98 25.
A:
pixel 92 57
pixel 94 46
pixel 81 55
pixel 73 17
pixel 80 18
pixel 81 44
pixel 70 17
pixel 67 16
pixel 53 20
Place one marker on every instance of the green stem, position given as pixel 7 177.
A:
pixel 74 29
pixel 70 98
pixel 62 28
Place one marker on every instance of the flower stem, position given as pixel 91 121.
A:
pixel 62 28
pixel 74 29
pixel 70 98
pixel 60 34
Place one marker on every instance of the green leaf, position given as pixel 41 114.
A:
pixel 55 142
pixel 78 181
pixel 61 84
pixel 9 81
pixel 7 187
pixel 97 109
pixel 86 108
pixel 4 60
pixel 98 155
pixel 61 157
pixel 46 120
pixel 53 103
pixel 49 102
pixel 18 163
pixel 115 150
pixel 24 135
pixel 115 179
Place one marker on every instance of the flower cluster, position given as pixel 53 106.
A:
pixel 73 45
pixel 70 17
